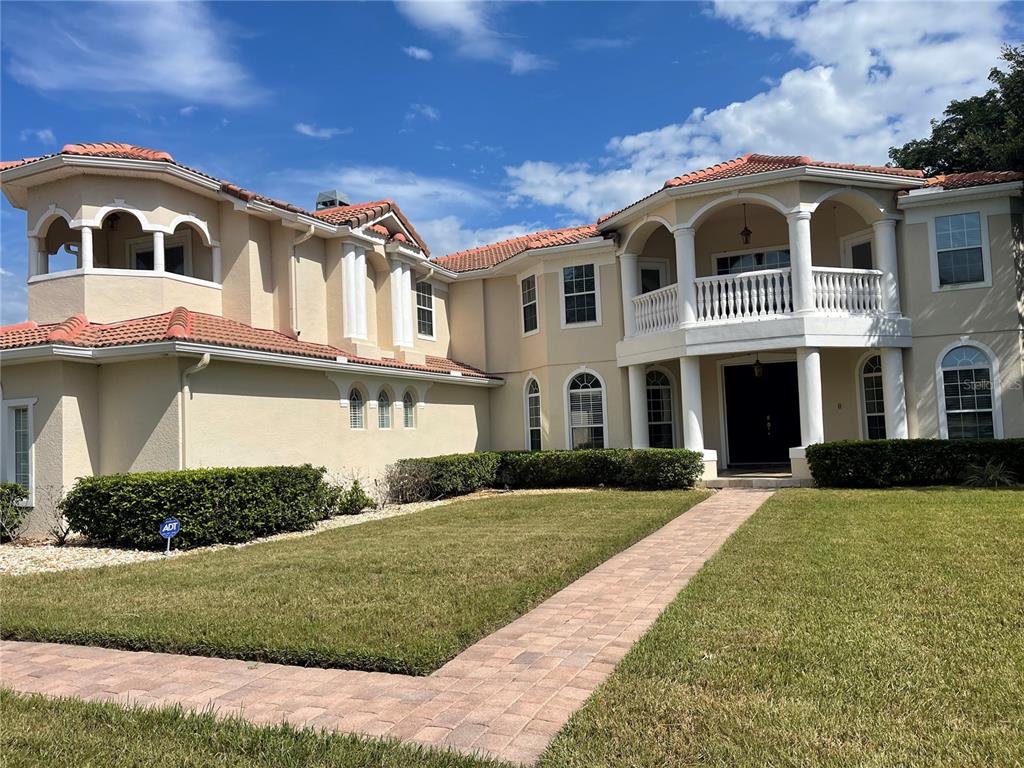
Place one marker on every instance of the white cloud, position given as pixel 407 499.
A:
pixel 176 49
pixel 423 110
pixel 875 75
pixel 602 43
pixel 449 234
pixel 42 135
pixel 470 26
pixel 311 130
pixel 420 54
pixel 187 111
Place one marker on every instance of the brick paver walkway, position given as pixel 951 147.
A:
pixel 505 697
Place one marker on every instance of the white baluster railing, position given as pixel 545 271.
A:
pixel 749 295
pixel 657 310
pixel 847 291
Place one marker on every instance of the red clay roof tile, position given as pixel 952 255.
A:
pixel 117 149
pixel 974 179
pixel 486 256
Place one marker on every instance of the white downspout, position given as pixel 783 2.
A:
pixel 293 275
pixel 186 395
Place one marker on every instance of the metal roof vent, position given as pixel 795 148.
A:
pixel 331 198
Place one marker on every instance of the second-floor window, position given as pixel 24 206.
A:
pixel 958 249
pixel 530 319
pixel 579 290
pixel 425 309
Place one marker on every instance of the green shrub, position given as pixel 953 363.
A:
pixel 454 475
pixel 214 506
pixel 354 500
pixel 12 513
pixel 889 463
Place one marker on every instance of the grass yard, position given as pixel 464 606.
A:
pixel 835 628
pixel 399 595
pixel 65 734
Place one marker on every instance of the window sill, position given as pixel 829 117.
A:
pixel 534 332
pixel 962 286
pixel 589 324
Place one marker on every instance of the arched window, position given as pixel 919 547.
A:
pixel 533 415
pixel 659 410
pixel 408 411
pixel 874 403
pixel 383 411
pixel 355 410
pixel 586 412
pixel 967 393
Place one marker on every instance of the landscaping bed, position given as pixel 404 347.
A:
pixel 398 595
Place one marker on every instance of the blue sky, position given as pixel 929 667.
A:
pixel 483 120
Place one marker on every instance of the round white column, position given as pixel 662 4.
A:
pixel 397 315
pixel 894 394
pixel 884 249
pixel 359 285
pixel 158 252
pixel 693 411
pixel 638 407
pixel 85 251
pixel 686 273
pixel 35 256
pixel 348 283
pixel 812 412
pixel 800 261
pixel 629 276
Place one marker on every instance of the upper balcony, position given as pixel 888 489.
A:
pixel 118 266
pixel 746 276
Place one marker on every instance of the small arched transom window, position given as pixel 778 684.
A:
pixel 356 410
pixel 967 393
pixel 383 411
pixel 874 403
pixel 586 412
pixel 408 411
pixel 533 415
pixel 659 410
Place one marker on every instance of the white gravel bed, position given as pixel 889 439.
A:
pixel 19 559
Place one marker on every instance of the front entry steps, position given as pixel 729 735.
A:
pixel 734 479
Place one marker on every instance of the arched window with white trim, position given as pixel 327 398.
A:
pixel 586 412
pixel 873 415
pixel 533 430
pixel 356 410
pixel 383 411
pixel 659 410
pixel 408 411
pixel 967 396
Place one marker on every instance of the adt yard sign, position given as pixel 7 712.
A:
pixel 169 528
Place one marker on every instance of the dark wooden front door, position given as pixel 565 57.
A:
pixel 762 413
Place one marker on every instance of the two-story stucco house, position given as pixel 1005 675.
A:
pixel 746 311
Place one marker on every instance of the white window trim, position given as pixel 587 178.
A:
pixel 433 312
pixel 8 449
pixel 674 399
pixel 136 244
pixel 604 405
pixel 940 390
pixel 858 377
pixel 522 321
pixel 656 264
pixel 363 403
pixel 526 410
pixel 597 295
pixel 412 410
pixel 848 242
pixel 933 251
pixel 390 410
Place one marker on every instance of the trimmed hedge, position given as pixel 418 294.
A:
pixel 888 463
pixel 439 477
pixel 215 506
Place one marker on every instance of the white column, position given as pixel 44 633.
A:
pixel 397 313
pixel 158 252
pixel 408 328
pixel 686 274
pixel 800 261
pixel 884 249
pixel 812 413
pixel 693 411
pixel 348 281
pixel 894 394
pixel 35 256
pixel 359 293
pixel 85 252
pixel 629 276
pixel 638 407
pixel 217 268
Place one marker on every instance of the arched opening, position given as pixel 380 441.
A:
pixel 841 237
pixel 186 253
pixel 655 249
pixel 739 237
pixel 383 410
pixel 61 246
pixel 121 243
pixel 533 416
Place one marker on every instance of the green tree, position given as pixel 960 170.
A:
pixel 983 133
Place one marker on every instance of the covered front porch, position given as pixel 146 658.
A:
pixel 757 412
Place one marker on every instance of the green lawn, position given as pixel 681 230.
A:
pixel 836 628
pixel 400 595
pixel 74 734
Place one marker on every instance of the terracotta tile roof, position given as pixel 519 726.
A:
pixel 351 215
pixel 181 324
pixel 491 255
pixel 974 179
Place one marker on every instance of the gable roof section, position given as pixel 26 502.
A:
pixel 752 163
pixel 181 324
pixel 358 214
pixel 486 256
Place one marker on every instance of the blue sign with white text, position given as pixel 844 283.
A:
pixel 169 528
